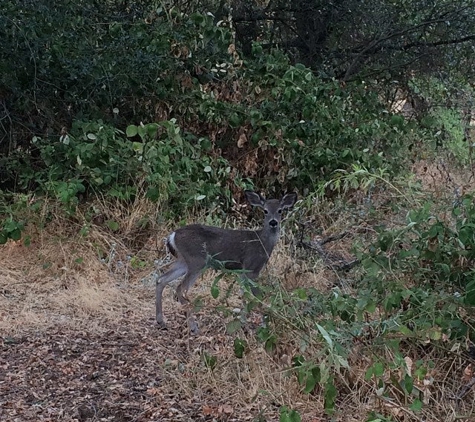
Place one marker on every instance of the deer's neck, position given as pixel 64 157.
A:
pixel 268 238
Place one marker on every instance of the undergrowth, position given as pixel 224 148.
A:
pixel 395 343
pixel 367 307
pixel 390 338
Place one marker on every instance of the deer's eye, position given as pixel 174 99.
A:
pixel 266 211
pixel 279 210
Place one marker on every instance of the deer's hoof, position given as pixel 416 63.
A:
pixel 161 325
pixel 193 325
pixel 181 299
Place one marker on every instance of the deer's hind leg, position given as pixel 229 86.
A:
pixel 182 289
pixel 195 263
pixel 177 269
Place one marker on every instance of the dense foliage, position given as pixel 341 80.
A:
pixel 263 119
pixel 185 104
pixel 349 39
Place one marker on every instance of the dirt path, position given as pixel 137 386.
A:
pixel 78 342
pixel 93 353
pixel 122 374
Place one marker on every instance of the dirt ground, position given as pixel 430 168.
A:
pixel 80 344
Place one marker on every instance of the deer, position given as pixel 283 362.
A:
pixel 197 247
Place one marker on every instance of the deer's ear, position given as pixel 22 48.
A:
pixel 288 200
pixel 255 199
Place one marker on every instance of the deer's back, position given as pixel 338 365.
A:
pixel 221 244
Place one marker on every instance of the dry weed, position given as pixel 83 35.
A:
pixel 64 279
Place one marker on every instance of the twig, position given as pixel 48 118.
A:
pixel 333 262
pixel 464 391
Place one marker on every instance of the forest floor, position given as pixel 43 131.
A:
pixel 77 345
pixel 79 340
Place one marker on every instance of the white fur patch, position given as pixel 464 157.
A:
pixel 171 240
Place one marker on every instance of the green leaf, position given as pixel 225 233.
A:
pixel 330 396
pixel 271 343
pixel 209 360
pixel 15 234
pixel 233 326
pixel 408 383
pixel 214 290
pixel 301 293
pixel 343 362
pixel 289 415
pixel 298 360
pixel 142 131
pixel 325 335
pixel 113 225
pixel 10 225
pixel 3 237
pixel 240 346
pixel 234 120
pixel 138 147
pixel 406 331
pixel 310 383
pixel 369 373
pixel 378 369
pixel 152 129
pixel 317 373
pixel 131 131
pixel 205 144
pixel 416 406
pixel 434 333
pixel 197 18
pixel 470 293
pixel 27 240
pixel 153 193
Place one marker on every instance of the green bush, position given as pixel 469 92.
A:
pixel 167 165
pixel 303 127
pixel 422 275
pixel 414 299
pixel 275 123
pixel 116 61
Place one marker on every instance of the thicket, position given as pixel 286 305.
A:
pixel 273 122
pixel 124 100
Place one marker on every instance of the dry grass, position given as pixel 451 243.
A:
pixel 443 181
pixel 64 279
pixel 60 278
pixel 38 295
pixel 61 281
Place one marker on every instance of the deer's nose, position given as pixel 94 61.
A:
pixel 273 223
